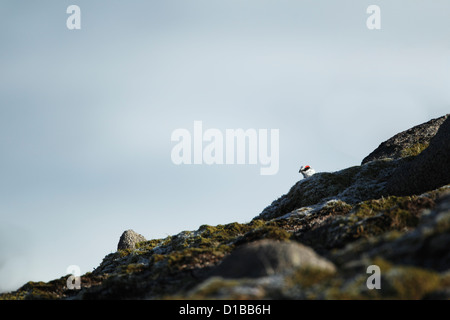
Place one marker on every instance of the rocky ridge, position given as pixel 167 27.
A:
pixel 408 142
pixel 314 242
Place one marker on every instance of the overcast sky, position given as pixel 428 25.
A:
pixel 86 116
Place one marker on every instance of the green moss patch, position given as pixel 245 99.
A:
pixel 191 258
pixel 414 150
pixel 308 277
pixel 209 236
pixel 399 212
pixel 273 232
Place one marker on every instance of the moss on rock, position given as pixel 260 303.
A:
pixel 414 150
pixel 401 212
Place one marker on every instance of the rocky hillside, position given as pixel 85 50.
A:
pixel 315 242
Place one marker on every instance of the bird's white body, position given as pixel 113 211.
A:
pixel 307 171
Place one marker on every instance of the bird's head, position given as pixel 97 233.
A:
pixel 304 168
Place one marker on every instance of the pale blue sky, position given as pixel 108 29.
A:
pixel 86 116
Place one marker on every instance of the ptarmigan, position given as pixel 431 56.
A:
pixel 307 171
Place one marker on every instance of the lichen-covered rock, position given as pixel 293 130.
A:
pixel 369 218
pixel 427 245
pixel 129 239
pixel 350 185
pixel 269 257
pixel 407 143
pixel 428 171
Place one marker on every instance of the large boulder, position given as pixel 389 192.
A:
pixel 427 171
pixel 129 239
pixel 351 185
pixel 408 142
pixel 268 257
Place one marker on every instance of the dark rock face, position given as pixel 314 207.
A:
pixel 427 171
pixel 129 239
pixel 406 142
pixel 269 257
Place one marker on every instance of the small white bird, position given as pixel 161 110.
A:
pixel 307 171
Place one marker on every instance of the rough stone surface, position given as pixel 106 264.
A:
pixel 428 171
pixel 129 239
pixel 269 257
pixel 426 246
pixel 350 185
pixel 394 147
